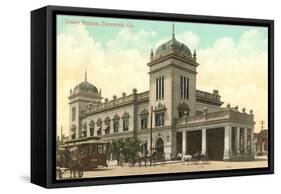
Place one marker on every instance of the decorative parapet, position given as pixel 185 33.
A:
pixel 221 115
pixel 143 95
pixel 188 59
pixel 115 102
pixel 209 97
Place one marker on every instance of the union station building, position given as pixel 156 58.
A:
pixel 184 119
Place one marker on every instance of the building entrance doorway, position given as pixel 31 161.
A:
pixel 179 142
pixel 194 142
pixel 215 143
pixel 159 148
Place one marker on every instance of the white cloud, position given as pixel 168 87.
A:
pixel 190 39
pixel 126 38
pixel 227 65
pixel 238 69
pixel 124 56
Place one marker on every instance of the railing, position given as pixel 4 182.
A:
pixel 207 95
pixel 228 114
pixel 118 101
pixel 241 116
pixel 143 95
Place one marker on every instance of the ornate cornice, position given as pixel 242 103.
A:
pixel 144 113
pixel 175 56
pixel 130 100
pixel 175 66
pixel 160 107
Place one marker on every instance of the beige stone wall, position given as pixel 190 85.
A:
pixel 167 101
pixel 80 103
pixel 191 101
pixel 172 70
pixel 110 113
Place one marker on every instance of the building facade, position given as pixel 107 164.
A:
pixel 184 120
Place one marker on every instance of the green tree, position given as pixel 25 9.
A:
pixel 117 149
pixel 132 147
pixel 128 148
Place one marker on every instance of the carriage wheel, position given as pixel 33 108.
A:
pixel 76 173
pixel 80 173
pixel 60 174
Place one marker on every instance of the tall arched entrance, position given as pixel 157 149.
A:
pixel 159 148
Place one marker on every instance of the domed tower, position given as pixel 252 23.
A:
pixel 80 97
pixel 172 70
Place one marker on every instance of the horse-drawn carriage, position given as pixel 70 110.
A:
pixel 195 158
pixel 143 159
pixel 79 155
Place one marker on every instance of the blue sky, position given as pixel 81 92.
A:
pixel 208 33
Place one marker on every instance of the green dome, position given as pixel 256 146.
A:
pixel 173 46
pixel 85 87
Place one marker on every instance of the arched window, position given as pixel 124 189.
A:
pixel 144 119
pixel 160 115
pixel 184 87
pixel 84 130
pixel 99 125
pixel 92 127
pixel 116 119
pixel 107 125
pixel 160 88
pixel 73 131
pixel 125 118
pixel 183 110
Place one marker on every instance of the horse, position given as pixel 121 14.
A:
pixel 141 158
pixel 75 166
pixel 153 158
pixel 200 157
pixel 187 158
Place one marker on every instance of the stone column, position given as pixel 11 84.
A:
pixel 203 149
pixel 184 142
pixel 88 130
pixel 77 126
pixel 227 142
pixel 245 141
pixel 77 132
pixel 237 139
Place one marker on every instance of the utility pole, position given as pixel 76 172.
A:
pixel 151 113
pixel 262 123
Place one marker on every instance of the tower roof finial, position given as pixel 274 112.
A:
pixel 86 73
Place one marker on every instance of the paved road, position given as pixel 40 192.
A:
pixel 171 167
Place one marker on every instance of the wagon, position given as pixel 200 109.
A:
pixel 79 155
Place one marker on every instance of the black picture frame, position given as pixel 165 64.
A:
pixel 43 95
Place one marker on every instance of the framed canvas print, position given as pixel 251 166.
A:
pixel 126 96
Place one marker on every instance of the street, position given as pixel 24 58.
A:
pixel 171 167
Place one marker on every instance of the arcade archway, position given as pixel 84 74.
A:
pixel 159 145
